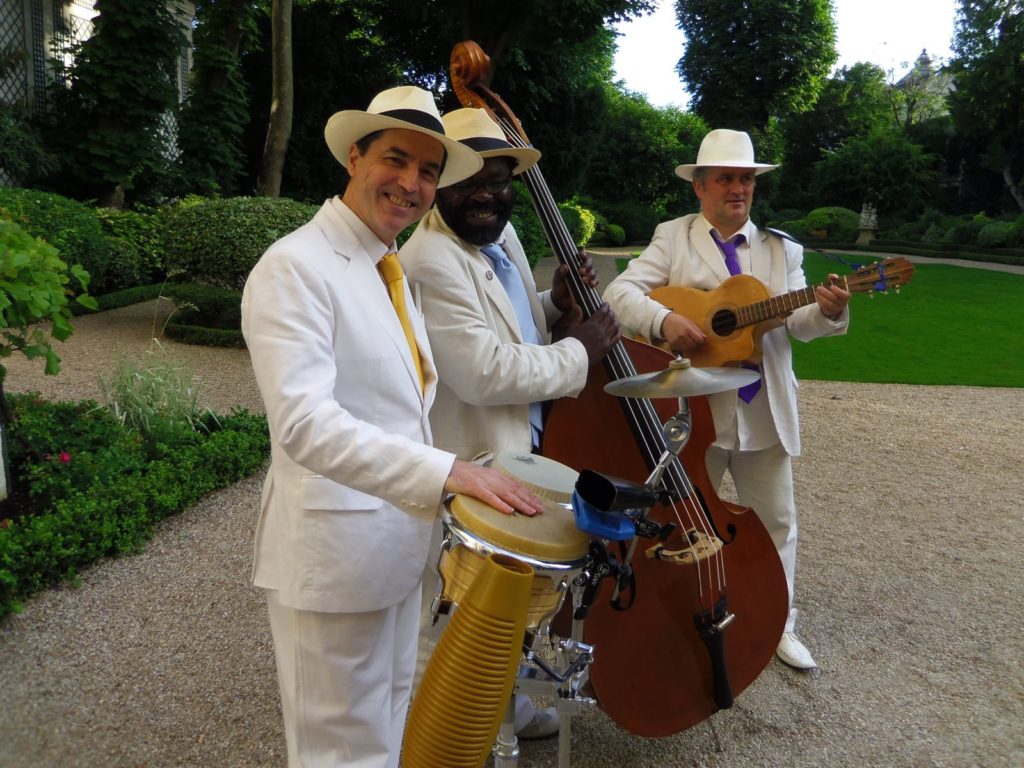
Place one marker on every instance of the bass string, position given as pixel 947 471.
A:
pixel 642 411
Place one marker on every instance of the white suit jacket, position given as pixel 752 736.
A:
pixel 488 375
pixel 353 486
pixel 683 253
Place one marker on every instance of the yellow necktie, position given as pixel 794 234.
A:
pixel 395 278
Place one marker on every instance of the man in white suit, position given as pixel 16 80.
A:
pixel 346 375
pixel 491 331
pixel 757 428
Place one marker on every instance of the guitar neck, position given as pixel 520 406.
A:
pixel 776 306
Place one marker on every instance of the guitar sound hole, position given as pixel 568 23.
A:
pixel 723 322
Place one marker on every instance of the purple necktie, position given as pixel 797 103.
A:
pixel 732 263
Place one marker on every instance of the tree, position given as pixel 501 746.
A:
pixel 282 98
pixel 122 86
pixel 920 95
pixel 884 168
pixel 214 118
pixel 640 147
pixel 853 102
pixel 746 62
pixel 549 61
pixel 987 104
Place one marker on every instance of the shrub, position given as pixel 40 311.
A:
pixel 136 247
pixel 206 315
pixel 34 287
pixel 112 510
pixel 838 223
pixel 579 220
pixel 616 234
pixel 966 230
pixel 997 234
pixel 637 221
pixel 71 227
pixel 217 242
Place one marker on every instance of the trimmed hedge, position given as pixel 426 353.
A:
pixel 107 496
pixel 217 242
pixel 71 227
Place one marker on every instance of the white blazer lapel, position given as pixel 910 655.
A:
pixel 347 246
pixel 701 242
pixel 496 294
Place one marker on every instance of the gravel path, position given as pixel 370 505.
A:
pixel 910 586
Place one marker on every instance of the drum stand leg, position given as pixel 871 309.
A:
pixel 506 748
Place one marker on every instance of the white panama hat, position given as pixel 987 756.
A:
pixel 409 108
pixel 478 131
pixel 726 149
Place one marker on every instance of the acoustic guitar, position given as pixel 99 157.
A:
pixel 735 315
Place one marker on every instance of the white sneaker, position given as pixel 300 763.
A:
pixel 794 653
pixel 543 724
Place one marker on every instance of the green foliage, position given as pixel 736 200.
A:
pixel 579 220
pixel 637 221
pixel 214 118
pixel 219 241
pixel 837 223
pixel 68 225
pixel 136 247
pixel 852 103
pixel 640 145
pixel 122 84
pixel 926 334
pixel 155 396
pixel 884 168
pixel 745 66
pixel 616 234
pixel 106 497
pixel 996 234
pixel 206 316
pixel 34 287
pixel 987 103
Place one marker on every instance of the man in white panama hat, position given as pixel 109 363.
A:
pixel 491 328
pixel 757 428
pixel 354 486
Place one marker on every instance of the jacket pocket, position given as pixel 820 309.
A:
pixel 319 492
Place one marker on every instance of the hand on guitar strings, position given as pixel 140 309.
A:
pixel 832 299
pixel 681 333
pixel 494 488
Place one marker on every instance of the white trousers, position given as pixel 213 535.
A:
pixel 764 481
pixel 345 681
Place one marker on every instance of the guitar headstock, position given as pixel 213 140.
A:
pixel 881 276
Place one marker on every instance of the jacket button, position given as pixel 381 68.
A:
pixel 489 275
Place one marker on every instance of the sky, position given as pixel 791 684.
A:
pixel 889 33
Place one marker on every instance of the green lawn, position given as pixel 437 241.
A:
pixel 949 325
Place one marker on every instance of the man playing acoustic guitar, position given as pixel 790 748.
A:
pixel 757 429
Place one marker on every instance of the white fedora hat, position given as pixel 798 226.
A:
pixel 726 149
pixel 478 131
pixel 406 107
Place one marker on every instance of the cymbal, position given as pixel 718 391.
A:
pixel 682 380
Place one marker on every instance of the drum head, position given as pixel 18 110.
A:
pixel 545 477
pixel 551 536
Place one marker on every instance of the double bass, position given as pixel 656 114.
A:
pixel 697 628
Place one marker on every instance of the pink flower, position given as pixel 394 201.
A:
pixel 65 457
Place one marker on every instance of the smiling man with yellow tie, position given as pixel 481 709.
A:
pixel 346 374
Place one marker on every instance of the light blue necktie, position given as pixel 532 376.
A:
pixel 512 282
pixel 732 263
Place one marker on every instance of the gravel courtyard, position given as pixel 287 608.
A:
pixel 909 583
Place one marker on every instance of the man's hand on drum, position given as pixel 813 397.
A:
pixel 504 493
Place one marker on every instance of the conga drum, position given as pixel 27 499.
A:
pixel 550 543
